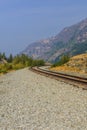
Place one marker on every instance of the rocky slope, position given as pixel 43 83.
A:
pixel 71 40
pixel 76 64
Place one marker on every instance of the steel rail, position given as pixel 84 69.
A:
pixel 74 80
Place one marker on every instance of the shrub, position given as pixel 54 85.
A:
pixel 18 66
pixel 38 63
pixel 3 71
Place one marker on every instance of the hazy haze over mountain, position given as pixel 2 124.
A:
pixel 71 40
pixel 25 21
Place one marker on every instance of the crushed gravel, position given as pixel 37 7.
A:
pixel 29 101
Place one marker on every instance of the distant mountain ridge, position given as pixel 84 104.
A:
pixel 71 40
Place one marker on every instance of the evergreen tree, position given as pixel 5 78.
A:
pixel 0 56
pixel 64 59
pixel 4 56
pixel 10 59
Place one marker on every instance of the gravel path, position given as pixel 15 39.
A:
pixel 29 101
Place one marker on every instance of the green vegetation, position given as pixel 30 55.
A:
pixel 4 68
pixel 64 59
pixel 79 48
pixel 17 62
pixel 54 48
pixel 2 56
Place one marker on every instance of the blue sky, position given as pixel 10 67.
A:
pixel 25 21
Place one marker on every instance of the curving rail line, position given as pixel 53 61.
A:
pixel 70 79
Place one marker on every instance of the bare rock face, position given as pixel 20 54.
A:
pixel 71 40
pixel 3 61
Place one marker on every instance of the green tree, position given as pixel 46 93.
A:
pixel 0 56
pixel 4 56
pixel 64 59
pixel 10 58
pixel 38 63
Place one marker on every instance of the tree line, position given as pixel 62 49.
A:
pixel 18 62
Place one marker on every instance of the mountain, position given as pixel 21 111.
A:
pixel 71 40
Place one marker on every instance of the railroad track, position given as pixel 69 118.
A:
pixel 70 79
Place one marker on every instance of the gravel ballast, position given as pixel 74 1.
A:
pixel 29 101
